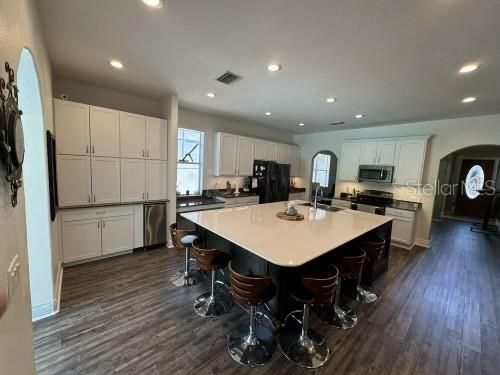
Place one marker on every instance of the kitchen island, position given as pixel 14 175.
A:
pixel 262 243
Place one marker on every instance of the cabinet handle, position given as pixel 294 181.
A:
pixel 87 149
pixel 147 195
pixel 89 198
pixel 93 149
pixel 143 153
pixel 103 224
pixel 143 196
pixel 147 153
pixel 98 223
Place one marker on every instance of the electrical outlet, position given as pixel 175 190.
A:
pixel 13 276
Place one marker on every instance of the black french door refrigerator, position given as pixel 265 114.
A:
pixel 273 181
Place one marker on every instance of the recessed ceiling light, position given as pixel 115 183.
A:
pixel 468 68
pixel 116 64
pixel 153 3
pixel 331 100
pixel 469 99
pixel 359 116
pixel 268 113
pixel 274 67
pixel 301 124
pixel 210 94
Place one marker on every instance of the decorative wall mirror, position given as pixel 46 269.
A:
pixel 11 133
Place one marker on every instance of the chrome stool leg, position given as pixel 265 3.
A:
pixel 304 347
pixel 341 318
pixel 212 304
pixel 249 349
pixel 365 296
pixel 186 277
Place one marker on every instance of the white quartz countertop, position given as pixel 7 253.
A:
pixel 282 242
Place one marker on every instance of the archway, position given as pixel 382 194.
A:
pixel 36 194
pixel 323 173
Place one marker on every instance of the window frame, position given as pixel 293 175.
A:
pixel 199 163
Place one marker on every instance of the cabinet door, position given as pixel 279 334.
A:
pixel 155 139
pixel 117 234
pixel 245 156
pixel 260 150
pixel 369 153
pixel 349 161
pixel 73 180
pixel 71 122
pixel 294 161
pixel 283 154
pixel 133 180
pixel 81 239
pixel 105 132
pixel 386 152
pixel 132 136
pixel 402 230
pixel 409 162
pixel 105 180
pixel 156 180
pixel 225 154
pixel 271 151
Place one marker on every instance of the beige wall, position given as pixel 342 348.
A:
pixel 20 28
pixel 446 136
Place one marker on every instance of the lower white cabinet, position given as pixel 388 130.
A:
pixel 241 201
pixel 133 180
pixel 156 180
pixel 74 185
pixel 89 233
pixel 403 225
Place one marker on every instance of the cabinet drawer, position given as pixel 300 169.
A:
pixel 399 213
pixel 92 213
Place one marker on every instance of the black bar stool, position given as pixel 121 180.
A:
pixel 183 240
pixel 374 249
pixel 247 347
pixel 212 303
pixel 304 346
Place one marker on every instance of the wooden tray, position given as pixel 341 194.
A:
pixel 284 216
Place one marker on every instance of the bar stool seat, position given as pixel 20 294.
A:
pixel 183 240
pixel 247 346
pixel 303 345
pixel 187 241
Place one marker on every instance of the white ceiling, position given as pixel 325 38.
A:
pixel 394 60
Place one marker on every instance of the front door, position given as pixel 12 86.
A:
pixel 468 203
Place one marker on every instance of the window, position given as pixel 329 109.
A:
pixel 474 181
pixel 189 161
pixel 321 169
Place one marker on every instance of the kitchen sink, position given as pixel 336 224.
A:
pixel 323 206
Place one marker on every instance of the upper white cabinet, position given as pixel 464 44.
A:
pixel 156 180
pixel 260 149
pixel 245 156
pixel 349 161
pixel 294 161
pixel 368 153
pixel 410 156
pixel 377 153
pixel 271 151
pixel 72 127
pixel 105 132
pixel 105 180
pixel 133 180
pixel 132 135
pixel 74 180
pixel 226 146
pixel 283 154
pixel 156 139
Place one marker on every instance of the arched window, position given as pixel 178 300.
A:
pixel 474 181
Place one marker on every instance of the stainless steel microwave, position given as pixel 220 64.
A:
pixel 377 173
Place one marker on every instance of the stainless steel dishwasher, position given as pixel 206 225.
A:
pixel 155 224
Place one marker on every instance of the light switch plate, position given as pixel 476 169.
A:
pixel 13 276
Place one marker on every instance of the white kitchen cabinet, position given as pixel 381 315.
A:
pixel 409 162
pixel 104 132
pixel 283 154
pixel 81 239
pixel 132 135
pixel 271 151
pixel 117 234
pixel 155 139
pixel 403 225
pixel 294 161
pixel 156 180
pixel 72 127
pixel 368 153
pixel 73 180
pixel 297 196
pixel 226 146
pixel 245 156
pixel 260 149
pixel 105 180
pixel 133 180
pixel 385 152
pixel 349 161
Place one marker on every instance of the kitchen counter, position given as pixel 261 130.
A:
pixel 284 243
pixel 186 204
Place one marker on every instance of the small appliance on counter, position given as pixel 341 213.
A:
pixel 272 181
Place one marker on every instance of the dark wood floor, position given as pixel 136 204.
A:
pixel 439 313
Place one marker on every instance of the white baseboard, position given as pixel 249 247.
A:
pixel 423 243
pixel 51 308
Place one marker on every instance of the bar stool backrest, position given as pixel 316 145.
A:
pixel 374 249
pixel 322 288
pixel 249 289
pixel 350 266
pixel 206 258
pixel 177 234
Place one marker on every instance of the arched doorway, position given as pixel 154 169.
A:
pixel 36 194
pixel 323 173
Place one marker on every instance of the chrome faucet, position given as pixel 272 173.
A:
pixel 316 196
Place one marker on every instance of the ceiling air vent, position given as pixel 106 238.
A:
pixel 337 123
pixel 228 78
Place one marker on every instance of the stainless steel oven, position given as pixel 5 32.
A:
pixel 377 173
